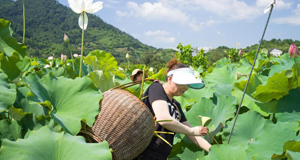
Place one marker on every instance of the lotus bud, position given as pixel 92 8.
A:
pixel 293 51
pixel 63 57
pixel 239 75
pixel 75 55
pixel 151 69
pixel 50 58
pixel 66 38
pixel 127 56
pixel 240 52
pixel 47 66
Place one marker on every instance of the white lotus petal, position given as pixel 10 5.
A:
pixel 267 9
pixel 88 4
pixel 74 6
pixel 82 5
pixel 80 21
pixel 95 7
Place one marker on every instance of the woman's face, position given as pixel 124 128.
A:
pixel 177 89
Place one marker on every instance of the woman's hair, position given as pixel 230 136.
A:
pixel 175 64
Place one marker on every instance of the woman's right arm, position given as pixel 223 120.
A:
pixel 161 110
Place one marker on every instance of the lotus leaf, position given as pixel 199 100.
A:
pixel 9 44
pixel 101 60
pixel 195 95
pixel 264 108
pixel 221 79
pixel 288 107
pixel 277 86
pixel 103 82
pixel 226 151
pixel 7 93
pixel 69 101
pixel 261 135
pixel 219 113
pixel 186 150
pixel 46 144
pixel 10 129
pixel 13 66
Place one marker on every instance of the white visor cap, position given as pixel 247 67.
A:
pixel 185 76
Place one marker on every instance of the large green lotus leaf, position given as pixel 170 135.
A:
pixel 160 75
pixel 221 79
pixel 292 155
pixel 264 108
pixel 224 75
pixel 100 60
pixel 288 107
pixel 186 150
pixel 8 44
pixel 103 82
pixel 22 103
pixel 9 129
pixel 219 113
pixel 46 144
pixel 230 152
pixel 7 92
pixel 281 67
pixel 69 101
pixel 222 62
pixel 261 135
pixel 291 150
pixel 277 86
pixel 13 66
pixel 195 95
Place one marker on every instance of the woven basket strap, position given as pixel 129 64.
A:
pixel 129 84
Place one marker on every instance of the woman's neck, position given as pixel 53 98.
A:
pixel 167 90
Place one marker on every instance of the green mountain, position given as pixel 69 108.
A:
pixel 48 20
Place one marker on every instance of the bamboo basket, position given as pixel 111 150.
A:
pixel 125 122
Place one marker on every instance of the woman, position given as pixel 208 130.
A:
pixel 137 75
pixel 160 100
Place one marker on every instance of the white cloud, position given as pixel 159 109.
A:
pixel 165 39
pixel 156 33
pixel 220 33
pixel 135 35
pixel 294 19
pixel 121 14
pixel 198 25
pixel 155 11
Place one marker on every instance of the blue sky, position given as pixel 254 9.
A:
pixel 201 23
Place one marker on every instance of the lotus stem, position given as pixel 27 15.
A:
pixel 23 22
pixel 169 120
pixel 81 58
pixel 144 97
pixel 296 68
pixel 162 139
pixel 142 85
pixel 212 137
pixel 71 56
pixel 163 132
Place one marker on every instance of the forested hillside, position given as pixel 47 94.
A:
pixel 47 21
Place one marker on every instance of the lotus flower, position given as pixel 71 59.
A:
pixel 75 55
pixel 83 6
pixel 63 57
pixel 50 58
pixel 293 51
pixel 66 38
pixel 240 52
